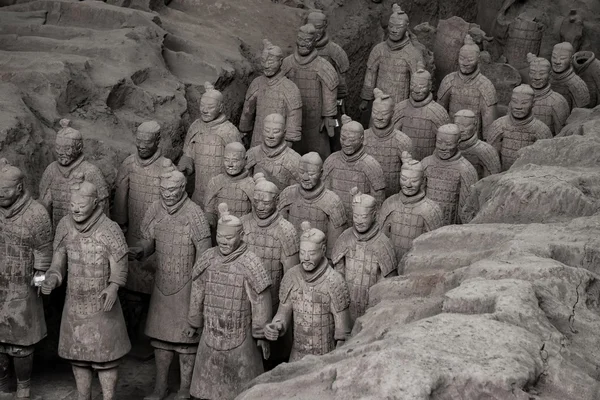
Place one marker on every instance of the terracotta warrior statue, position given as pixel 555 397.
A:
pixel 408 214
pixel 56 180
pixel 384 142
pixel 318 82
pixel 314 301
pixel 419 116
pixel 363 254
pixel 564 80
pixel 234 187
pixel 449 175
pixel 205 141
pixel 272 93
pixel 392 62
pixel 519 128
pixel 90 253
pixel 352 166
pixel 311 201
pixel 549 106
pixel 25 255
pixel 273 158
pixel 231 304
pixel 587 67
pixel 175 228
pixel 468 89
pixel 483 156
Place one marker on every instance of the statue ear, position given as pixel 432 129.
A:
pixel 95 202
pixel 20 187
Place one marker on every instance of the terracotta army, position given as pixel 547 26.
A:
pixel 175 228
pixel 519 128
pixel 314 301
pixel 25 255
pixel 90 252
pixel 273 158
pixel 385 143
pixel 318 83
pixel 272 93
pixel 419 116
pixel 408 214
pixel 205 141
pixel 449 175
pixel 563 79
pixel 363 254
pixel 231 304
pixel 392 62
pixel 234 187
pixel 483 156
pixel 549 106
pixel 468 89
pixel 352 166
pixel 587 67
pixel 55 182
pixel 311 201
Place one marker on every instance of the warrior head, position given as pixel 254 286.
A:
pixel 211 103
pixel 172 184
pixel 411 175
pixel 313 244
pixel 310 170
pixel 11 183
pixel 383 109
pixel 562 54
pixel 266 195
pixel 446 143
pixel 69 144
pixel 466 122
pixel 420 83
pixel 229 231
pixel 147 139
pixel 352 135
pixel 271 58
pixel 398 24
pixel 364 209
pixel 539 71
pixel 306 39
pixel 468 56
pixel 273 130
pixel 234 158
pixel 84 198
pixel 521 102
pixel 318 19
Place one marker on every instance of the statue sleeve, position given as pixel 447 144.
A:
pixel 561 113
pixel 488 116
pixel 494 135
pixel 188 143
pixel 333 233
pixel 45 192
pixel 285 310
pixel 249 109
pixel 120 208
pixel 371 74
pixel 343 324
pixel 293 124
pixel 435 218
pixel 58 267
pixel 147 230
pixel 490 159
pixel 329 93
pixel 195 315
pixel 114 240
pixel 444 92
pixel 468 179
pixel 261 310
pixel 42 250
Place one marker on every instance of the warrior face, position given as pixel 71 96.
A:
pixel 468 59
pixel 305 43
pixel 228 239
pixel 410 182
pixel 67 150
pixel 466 126
pixel 273 132
pixel 420 89
pixel 234 162
pixel 397 30
pixel 382 113
pixel 363 218
pixel 311 254
pixel 271 64
pixel 561 59
pixel 539 76
pixel 320 27
pixel 521 105
pixel 310 174
pixel 10 191
pixel 171 191
pixel 210 108
pixel 146 144
pixel 446 145
pixel 264 203
pixel 351 141
pixel 82 207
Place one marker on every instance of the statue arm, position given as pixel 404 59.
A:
pixel 42 251
pixel 261 310
pixel 293 123
pixel 58 268
pixel 468 179
pixel 488 116
pixel 195 315
pixel 290 261
pixel 120 214
pixel 370 75
pixel 118 269
pixel 248 112
pixel 284 316
pixel 333 233
pixel 343 325
pixel 329 98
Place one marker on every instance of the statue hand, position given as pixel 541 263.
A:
pixel 135 253
pixel 110 296
pixel 266 348
pixel 186 165
pixel 190 331
pixel 49 284
pixel 364 105
pixel 272 330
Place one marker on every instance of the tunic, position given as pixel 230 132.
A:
pixel 279 165
pixel 481 155
pixel 337 57
pixel 551 108
pixel 235 191
pixel 572 87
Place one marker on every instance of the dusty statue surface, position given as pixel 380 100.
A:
pixel 563 78
pixel 231 304
pixel 587 67
pixel 483 156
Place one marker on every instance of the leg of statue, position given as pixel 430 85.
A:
pixel 83 380
pixel 23 367
pixel 4 366
pixel 163 359
pixel 186 368
pixel 108 382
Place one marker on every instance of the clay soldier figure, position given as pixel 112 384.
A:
pixel 563 79
pixel 56 180
pixel 314 301
pixel 273 157
pixel 468 89
pixel 549 106
pixel 90 252
pixel 205 141
pixel 587 67
pixel 449 175
pixel 363 254
pixel 318 82
pixel 311 201
pixel 234 187
pixel 175 228
pixel 25 255
pixel 385 143
pixel 392 62
pixel 419 116
pixel 352 166
pixel 272 93
pixel 519 128
pixel 231 304
pixel 408 214
pixel 481 155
